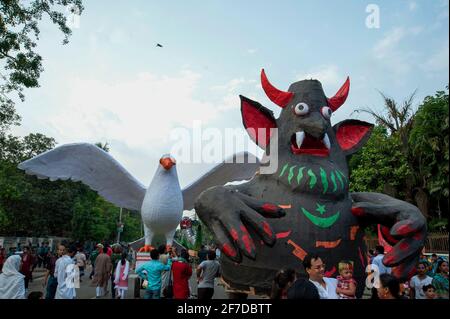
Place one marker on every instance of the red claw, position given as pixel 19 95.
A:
pixel 228 250
pixel 267 229
pixel 357 211
pixel 404 229
pixel 270 208
pixel 403 246
pixel 234 234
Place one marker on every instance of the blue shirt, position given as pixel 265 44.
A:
pixel 154 268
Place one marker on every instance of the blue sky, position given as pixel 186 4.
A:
pixel 112 84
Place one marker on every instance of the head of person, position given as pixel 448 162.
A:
pixel 100 248
pixel 162 249
pixel 430 291
pixel 442 267
pixel 434 257
pixel 184 254
pixel 211 255
pixel 421 268
pixel 123 258
pixel 345 268
pixel 105 249
pixel 154 254
pixel 379 250
pixel 26 250
pixel 36 295
pixel 12 265
pixel 202 247
pixel 389 287
pixel 281 283
pixel 72 250
pixel 314 267
pixel 61 250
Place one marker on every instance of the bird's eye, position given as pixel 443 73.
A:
pixel 301 109
pixel 326 112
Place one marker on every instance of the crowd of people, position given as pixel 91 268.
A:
pixel 430 281
pixel 167 274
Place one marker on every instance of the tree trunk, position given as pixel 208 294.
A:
pixel 422 200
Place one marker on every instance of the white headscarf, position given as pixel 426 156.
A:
pixel 12 284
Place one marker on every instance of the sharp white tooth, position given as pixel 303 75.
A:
pixel 326 141
pixel 299 137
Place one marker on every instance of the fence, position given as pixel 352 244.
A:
pixel 436 242
pixel 8 242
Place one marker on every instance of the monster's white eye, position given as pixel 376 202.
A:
pixel 326 112
pixel 301 109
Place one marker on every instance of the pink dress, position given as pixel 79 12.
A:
pixel 345 284
pixel 123 283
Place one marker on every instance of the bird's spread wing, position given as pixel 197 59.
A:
pixel 92 166
pixel 241 166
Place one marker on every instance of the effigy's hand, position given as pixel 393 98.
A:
pixel 403 227
pixel 228 214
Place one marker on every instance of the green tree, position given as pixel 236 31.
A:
pixel 399 120
pixel 380 166
pixel 19 31
pixel 430 150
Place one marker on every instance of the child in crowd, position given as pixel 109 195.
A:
pixel 346 287
pixel 121 276
pixel 429 291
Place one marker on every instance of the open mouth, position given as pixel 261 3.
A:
pixel 303 143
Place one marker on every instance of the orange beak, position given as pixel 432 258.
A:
pixel 167 163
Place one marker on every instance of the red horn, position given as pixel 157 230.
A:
pixel 278 97
pixel 339 98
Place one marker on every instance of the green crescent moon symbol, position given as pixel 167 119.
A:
pixel 322 222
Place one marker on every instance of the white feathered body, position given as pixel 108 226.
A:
pixel 162 208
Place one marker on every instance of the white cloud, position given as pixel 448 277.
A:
pixel 389 42
pixel 389 51
pixel 328 75
pixel 230 92
pixel 438 62
pixel 252 51
pixel 138 111
pixel 412 6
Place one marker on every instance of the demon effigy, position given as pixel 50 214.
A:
pixel 274 220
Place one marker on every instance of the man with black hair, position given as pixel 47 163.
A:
pixel 163 257
pixel 420 280
pixel 315 268
pixel 202 253
pixel 378 261
pixel 64 268
pixel 151 271
pixel 207 271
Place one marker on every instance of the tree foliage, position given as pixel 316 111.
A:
pixel 407 155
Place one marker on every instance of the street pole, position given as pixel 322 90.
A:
pixel 119 226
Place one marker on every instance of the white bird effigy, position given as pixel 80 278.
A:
pixel 161 204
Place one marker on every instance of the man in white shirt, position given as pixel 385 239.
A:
pixel 418 281
pixel 62 271
pixel 378 261
pixel 315 269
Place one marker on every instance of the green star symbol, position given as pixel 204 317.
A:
pixel 321 208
